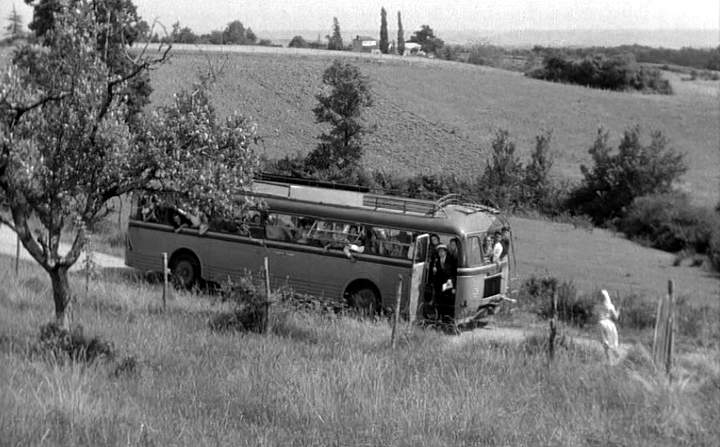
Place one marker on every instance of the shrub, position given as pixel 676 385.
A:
pixel 618 178
pixel 637 313
pixel 670 222
pixel 74 345
pixel 537 293
pixel 250 308
pixel 714 249
pixel 502 179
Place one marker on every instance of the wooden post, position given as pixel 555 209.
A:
pixel 17 255
pixel 87 274
pixel 266 304
pixel 663 338
pixel 553 328
pixel 396 316
pixel 670 328
pixel 165 280
pixel 120 207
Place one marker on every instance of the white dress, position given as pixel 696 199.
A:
pixel 608 331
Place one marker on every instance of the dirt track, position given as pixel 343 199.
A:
pixel 8 246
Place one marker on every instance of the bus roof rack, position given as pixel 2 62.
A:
pixel 458 199
pixel 268 177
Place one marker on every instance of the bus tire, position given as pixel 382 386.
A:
pixel 364 298
pixel 185 269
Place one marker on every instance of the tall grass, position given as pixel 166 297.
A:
pixel 320 381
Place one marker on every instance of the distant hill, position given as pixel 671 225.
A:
pixel 437 116
pixel 528 38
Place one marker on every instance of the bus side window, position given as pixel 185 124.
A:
pixel 279 227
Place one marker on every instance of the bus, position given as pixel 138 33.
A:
pixel 342 244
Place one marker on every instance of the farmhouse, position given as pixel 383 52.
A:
pixel 365 44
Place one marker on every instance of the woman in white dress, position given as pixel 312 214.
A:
pixel 608 331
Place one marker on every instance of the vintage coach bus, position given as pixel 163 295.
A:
pixel 305 231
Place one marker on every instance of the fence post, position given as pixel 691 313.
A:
pixel 165 280
pixel 553 328
pixel 663 338
pixel 396 315
pixel 266 304
pixel 670 328
pixel 17 255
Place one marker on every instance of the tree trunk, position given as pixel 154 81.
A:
pixel 61 295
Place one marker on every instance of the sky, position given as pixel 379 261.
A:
pixel 490 15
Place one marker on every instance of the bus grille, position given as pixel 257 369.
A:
pixel 492 286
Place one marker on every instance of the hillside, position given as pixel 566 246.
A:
pixel 432 116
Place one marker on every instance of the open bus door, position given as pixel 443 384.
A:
pixel 419 278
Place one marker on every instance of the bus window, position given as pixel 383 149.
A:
pixel 279 227
pixel 474 251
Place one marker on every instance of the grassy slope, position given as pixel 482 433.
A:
pixel 317 381
pixel 435 115
pixel 601 259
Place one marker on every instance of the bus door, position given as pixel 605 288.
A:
pixel 419 277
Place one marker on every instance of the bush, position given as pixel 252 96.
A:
pixel 670 222
pixel 714 249
pixel 74 345
pixel 637 313
pixel 537 293
pixel 616 179
pixel 250 306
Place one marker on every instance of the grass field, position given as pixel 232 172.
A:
pixel 432 116
pixel 323 381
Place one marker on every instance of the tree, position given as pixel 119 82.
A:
pixel 66 149
pixel 335 41
pixel 616 179
pixel 182 34
pixel 234 33
pixel 298 42
pixel 401 37
pixel 347 93
pixel 536 178
pixel 14 26
pixel 117 24
pixel 501 182
pixel 425 36
pixel 383 31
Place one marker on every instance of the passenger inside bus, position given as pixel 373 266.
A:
pixel 454 250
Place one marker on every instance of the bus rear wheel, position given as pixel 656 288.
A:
pixel 364 299
pixel 185 269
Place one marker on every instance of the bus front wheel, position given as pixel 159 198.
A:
pixel 364 299
pixel 185 269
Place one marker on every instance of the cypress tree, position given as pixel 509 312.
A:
pixel 383 31
pixel 401 37
pixel 335 41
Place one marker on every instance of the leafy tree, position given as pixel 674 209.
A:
pixel 617 178
pixel 335 41
pixel 347 93
pixel 66 150
pixel 536 178
pixel 425 36
pixel 14 26
pixel 250 37
pixel 143 31
pixel 502 178
pixel 298 42
pixel 401 37
pixel 234 33
pixel 182 34
pixel 117 25
pixel 383 31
